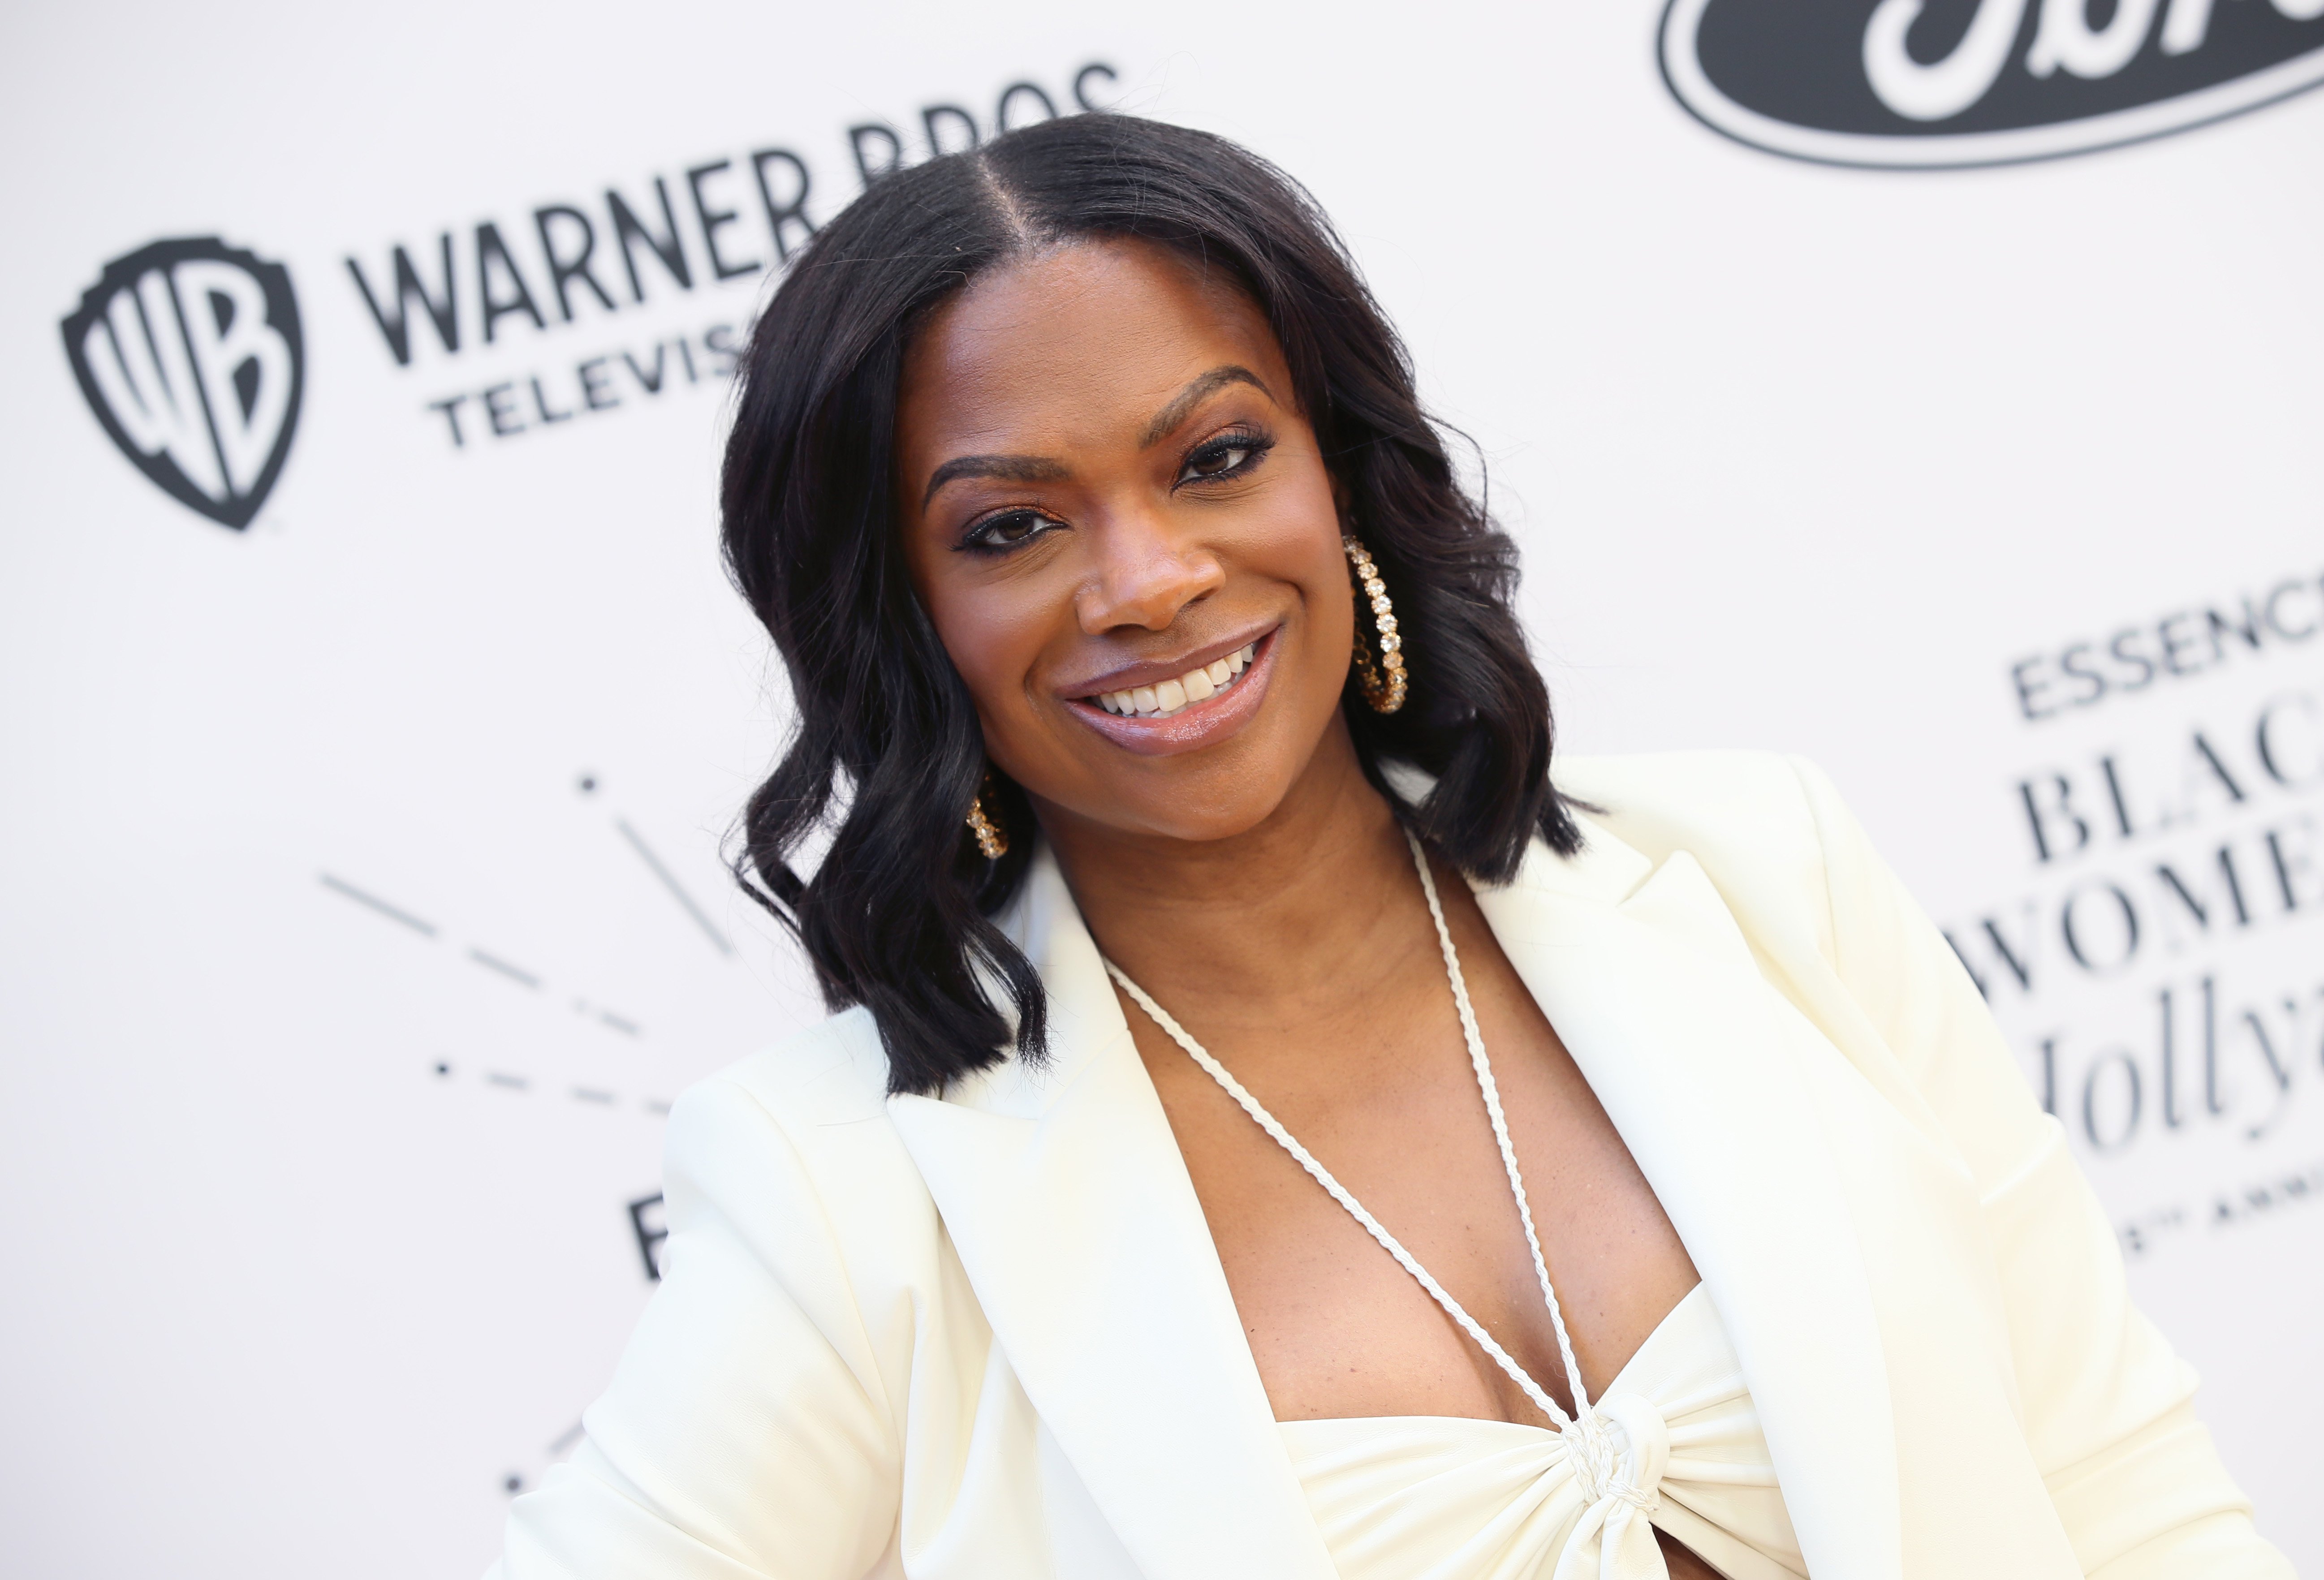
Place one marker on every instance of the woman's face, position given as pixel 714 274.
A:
pixel 1124 532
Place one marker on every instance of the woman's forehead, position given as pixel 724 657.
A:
pixel 1092 329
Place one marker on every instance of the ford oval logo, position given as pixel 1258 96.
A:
pixel 1939 84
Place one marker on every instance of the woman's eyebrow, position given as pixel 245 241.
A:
pixel 1041 469
pixel 1010 468
pixel 1168 420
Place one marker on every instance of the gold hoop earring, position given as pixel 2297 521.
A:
pixel 1385 696
pixel 990 837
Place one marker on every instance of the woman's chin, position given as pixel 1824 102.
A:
pixel 1199 799
pixel 1171 827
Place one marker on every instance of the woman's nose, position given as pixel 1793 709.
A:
pixel 1144 576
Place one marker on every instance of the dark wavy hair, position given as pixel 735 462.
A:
pixel 887 752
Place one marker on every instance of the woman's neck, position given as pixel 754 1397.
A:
pixel 1302 908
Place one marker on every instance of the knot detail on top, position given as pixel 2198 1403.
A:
pixel 1619 1449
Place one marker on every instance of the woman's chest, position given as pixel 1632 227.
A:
pixel 1388 1103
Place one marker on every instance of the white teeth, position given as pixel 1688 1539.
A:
pixel 1164 698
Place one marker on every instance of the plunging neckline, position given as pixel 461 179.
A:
pixel 1590 1495
pixel 1614 1384
pixel 1583 1421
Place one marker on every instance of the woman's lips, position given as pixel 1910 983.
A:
pixel 1193 724
pixel 1164 698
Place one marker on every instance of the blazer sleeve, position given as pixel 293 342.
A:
pixel 2107 1406
pixel 746 1435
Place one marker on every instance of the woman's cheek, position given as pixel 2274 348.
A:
pixel 996 642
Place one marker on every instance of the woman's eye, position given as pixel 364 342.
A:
pixel 1008 529
pixel 1225 458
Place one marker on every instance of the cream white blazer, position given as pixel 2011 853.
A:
pixel 987 1335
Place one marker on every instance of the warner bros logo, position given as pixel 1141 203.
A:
pixel 190 356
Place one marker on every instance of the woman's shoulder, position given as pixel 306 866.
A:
pixel 1762 824
pixel 1830 927
pixel 833 1072
pixel 1790 862
pixel 798 1135
pixel 1767 791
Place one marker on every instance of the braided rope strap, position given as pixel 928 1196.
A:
pixel 1587 1443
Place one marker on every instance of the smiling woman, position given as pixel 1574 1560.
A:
pixel 1004 387
pixel 1269 1130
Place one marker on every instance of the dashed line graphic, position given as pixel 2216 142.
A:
pixel 500 966
pixel 509 1080
pixel 525 977
pixel 494 1082
pixel 339 885
pixel 589 783
pixel 668 881
pixel 513 973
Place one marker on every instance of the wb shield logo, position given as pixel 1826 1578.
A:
pixel 190 353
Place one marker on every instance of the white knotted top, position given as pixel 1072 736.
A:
pixel 1589 1493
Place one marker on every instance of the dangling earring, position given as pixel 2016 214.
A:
pixel 1385 696
pixel 989 837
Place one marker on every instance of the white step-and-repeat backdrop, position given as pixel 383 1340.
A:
pixel 1931 390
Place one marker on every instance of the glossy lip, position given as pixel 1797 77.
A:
pixel 1195 726
pixel 1154 672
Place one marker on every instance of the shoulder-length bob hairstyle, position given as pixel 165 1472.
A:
pixel 887 753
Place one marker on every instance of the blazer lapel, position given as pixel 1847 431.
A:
pixel 1063 1189
pixel 1710 1078
pixel 1826 1227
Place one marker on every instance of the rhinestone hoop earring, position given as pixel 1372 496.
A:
pixel 990 838
pixel 1385 696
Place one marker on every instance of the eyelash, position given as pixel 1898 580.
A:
pixel 1254 444
pixel 977 538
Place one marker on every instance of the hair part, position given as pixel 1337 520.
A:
pixel 886 751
